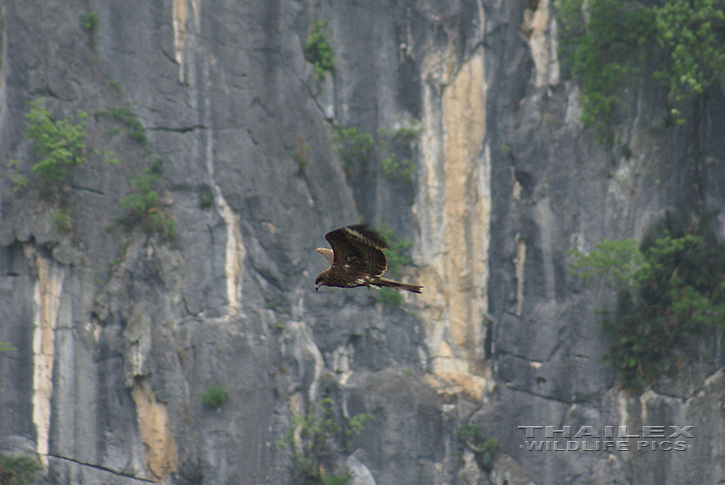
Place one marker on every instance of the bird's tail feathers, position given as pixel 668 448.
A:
pixel 397 284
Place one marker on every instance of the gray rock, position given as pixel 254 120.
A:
pixel 360 473
pixel 17 445
pixel 506 471
pixel 65 254
pixel 470 473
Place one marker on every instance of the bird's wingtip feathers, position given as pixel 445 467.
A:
pixel 369 236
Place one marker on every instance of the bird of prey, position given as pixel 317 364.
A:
pixel 357 259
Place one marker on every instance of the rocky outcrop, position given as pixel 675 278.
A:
pixel 118 331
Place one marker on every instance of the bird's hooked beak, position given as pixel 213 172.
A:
pixel 327 253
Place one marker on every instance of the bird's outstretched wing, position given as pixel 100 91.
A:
pixel 358 252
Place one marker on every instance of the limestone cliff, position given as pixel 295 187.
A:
pixel 118 330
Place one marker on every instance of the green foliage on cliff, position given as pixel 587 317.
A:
pixel 389 297
pixel 354 147
pixel 315 438
pixel 134 127
pixel 397 255
pixel 601 52
pixel 19 470
pixel 398 249
pixel 18 181
pixel 144 207
pixel 6 347
pixel 89 21
pixel 318 50
pixel 62 221
pixel 338 479
pixel 614 261
pixel 670 290
pixel 693 32
pixel 60 144
pixel 215 397
pixel 395 169
pixel 484 449
pixel 301 154
pixel 604 42
pixel 395 146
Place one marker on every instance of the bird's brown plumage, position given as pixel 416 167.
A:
pixel 357 259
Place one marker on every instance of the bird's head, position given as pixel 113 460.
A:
pixel 318 282
pixel 328 253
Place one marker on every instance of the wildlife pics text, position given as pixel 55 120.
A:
pixel 607 438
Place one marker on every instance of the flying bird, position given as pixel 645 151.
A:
pixel 357 259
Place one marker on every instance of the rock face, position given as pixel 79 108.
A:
pixel 117 332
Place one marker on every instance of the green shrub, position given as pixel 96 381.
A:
pixel 6 347
pixel 398 249
pixel 406 132
pixel 60 144
pixel 18 181
pixel 397 257
pixel 124 115
pixel 62 221
pixel 670 291
pixel 117 86
pixel 357 148
pixel 19 470
pixel 602 42
pixel 354 147
pixel 89 21
pixel 616 262
pixel 356 424
pixel 395 147
pixel 302 153
pixel 143 206
pixel 215 397
pixel 318 50
pixel 338 479
pixel 388 297
pixel 692 32
pixel 320 435
pixel 601 53
pixel 108 155
pixel 485 449
pixel 205 197
pixel 489 450
pixel 400 170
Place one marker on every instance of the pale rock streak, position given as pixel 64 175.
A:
pixel 47 292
